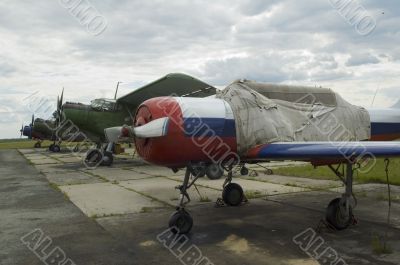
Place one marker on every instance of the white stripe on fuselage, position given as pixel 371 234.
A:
pixel 384 115
pixel 204 108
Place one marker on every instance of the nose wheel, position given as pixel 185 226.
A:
pixel 338 215
pixel 180 222
pixel 233 194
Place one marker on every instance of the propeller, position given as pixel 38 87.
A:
pixel 59 108
pixel 22 130
pixel 155 128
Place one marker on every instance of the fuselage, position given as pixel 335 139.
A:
pixel 385 124
pixel 91 120
pixel 204 130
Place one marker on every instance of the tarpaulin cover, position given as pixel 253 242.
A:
pixel 266 113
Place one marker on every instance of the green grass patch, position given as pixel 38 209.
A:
pixel 375 175
pixel 380 246
pixel 27 144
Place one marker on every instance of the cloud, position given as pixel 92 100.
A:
pixel 44 47
pixel 362 58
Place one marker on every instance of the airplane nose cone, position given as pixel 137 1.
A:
pixel 27 131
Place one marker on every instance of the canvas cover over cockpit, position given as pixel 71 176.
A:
pixel 295 114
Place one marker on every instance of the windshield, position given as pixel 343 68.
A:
pixel 103 104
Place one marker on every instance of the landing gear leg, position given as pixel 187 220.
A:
pixel 108 155
pixel 232 193
pixel 339 213
pixel 181 222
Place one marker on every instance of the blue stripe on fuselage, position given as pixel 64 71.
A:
pixel 380 128
pixel 207 127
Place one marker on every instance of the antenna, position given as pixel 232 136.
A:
pixel 376 93
pixel 116 90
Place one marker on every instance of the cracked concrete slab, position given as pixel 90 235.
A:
pixel 295 181
pixel 263 188
pixel 155 171
pixel 164 190
pixel 43 161
pixel 104 199
pixel 117 174
pixel 71 178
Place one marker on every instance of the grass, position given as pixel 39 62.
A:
pixel 24 143
pixel 253 194
pixel 146 210
pixel 380 246
pixel 375 175
pixel 204 199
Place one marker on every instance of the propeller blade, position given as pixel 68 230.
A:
pixel 22 130
pixel 155 128
pixel 33 119
pixel 112 134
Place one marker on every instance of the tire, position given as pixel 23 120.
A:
pixel 56 148
pixel 336 218
pixel 93 158
pixel 199 171
pixel 37 145
pixel 180 222
pixel 51 147
pixel 270 172
pixel 214 171
pixel 244 171
pixel 233 194
pixel 107 159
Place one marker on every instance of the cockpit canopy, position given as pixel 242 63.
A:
pixel 103 104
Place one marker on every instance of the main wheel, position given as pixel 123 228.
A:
pixel 233 194
pixel 37 145
pixel 93 157
pixel 51 147
pixel 336 214
pixel 107 159
pixel 180 222
pixel 198 171
pixel 214 171
pixel 56 148
pixel 244 171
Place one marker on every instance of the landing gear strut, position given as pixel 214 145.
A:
pixel 181 221
pixel 339 212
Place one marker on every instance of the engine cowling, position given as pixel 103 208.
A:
pixel 196 130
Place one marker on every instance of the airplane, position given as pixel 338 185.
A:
pixel 250 122
pixel 102 113
pixel 38 129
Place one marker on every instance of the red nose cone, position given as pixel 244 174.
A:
pixel 176 149
pixel 158 150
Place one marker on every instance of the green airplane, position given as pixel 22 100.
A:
pixel 40 130
pixel 102 113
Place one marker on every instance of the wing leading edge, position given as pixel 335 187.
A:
pixel 174 84
pixel 317 151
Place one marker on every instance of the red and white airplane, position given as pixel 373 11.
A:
pixel 166 133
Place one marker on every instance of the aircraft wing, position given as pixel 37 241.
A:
pixel 172 84
pixel 323 151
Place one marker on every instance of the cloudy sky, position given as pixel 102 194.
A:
pixel 45 45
